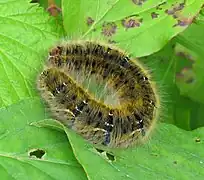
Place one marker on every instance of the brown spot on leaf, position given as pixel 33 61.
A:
pixel 154 15
pixel 108 29
pixel 186 75
pixel 89 21
pixel 185 55
pixel 175 10
pixel 132 22
pixel 179 7
pixel 139 2
pixel 169 11
pixel 183 22
pixel 53 9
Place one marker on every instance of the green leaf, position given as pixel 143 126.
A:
pixel 189 72
pixel 26 34
pixel 178 73
pixel 161 157
pixel 141 27
pixel 28 151
pixel 171 153
pixel 191 79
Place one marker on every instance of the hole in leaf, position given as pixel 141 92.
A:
pixel 197 140
pixel 159 7
pixel 154 154
pixel 105 154
pixel 110 156
pixel 38 153
pixel 99 150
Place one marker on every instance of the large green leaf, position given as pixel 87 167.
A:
pixel 171 153
pixel 28 152
pixel 141 27
pixel 26 33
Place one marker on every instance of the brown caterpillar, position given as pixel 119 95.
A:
pixel 121 114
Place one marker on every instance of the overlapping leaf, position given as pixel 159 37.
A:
pixel 26 33
pixel 139 26
pixel 171 153
pixel 27 152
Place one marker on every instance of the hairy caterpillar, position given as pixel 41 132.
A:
pixel 99 92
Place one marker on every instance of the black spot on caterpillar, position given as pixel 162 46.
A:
pixel 99 92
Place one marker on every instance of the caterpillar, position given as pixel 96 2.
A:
pixel 100 92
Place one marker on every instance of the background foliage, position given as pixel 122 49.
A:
pixel 32 146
